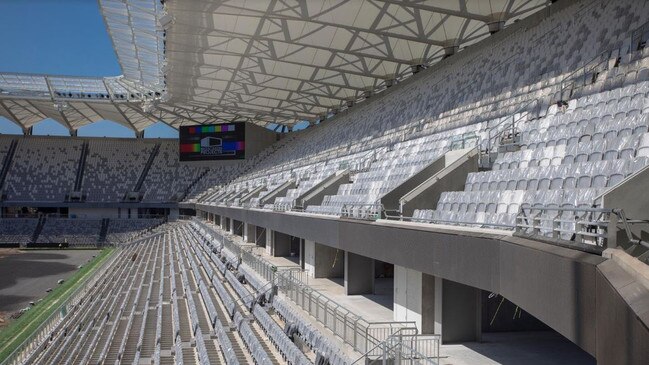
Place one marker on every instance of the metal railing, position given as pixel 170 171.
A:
pixel 291 281
pixel 403 348
pixel 639 37
pixel 284 207
pixel 443 221
pixel 586 74
pixel 363 164
pixel 370 211
pixel 354 330
pixel 382 331
pixel 593 229
pixel 583 227
pixel 466 140
pixel 506 127
pixel 265 269
pixel 415 349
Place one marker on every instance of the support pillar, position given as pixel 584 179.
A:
pixel 359 274
pixel 280 245
pixel 322 261
pixel 415 299
pixel 461 312
pixel 249 231
pixel 437 306
pixel 269 242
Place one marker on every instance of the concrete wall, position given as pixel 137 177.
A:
pixel 625 195
pixel 461 312
pixel 249 233
pixel 631 196
pixel 554 284
pixel 622 311
pixel 458 164
pixel 437 306
pixel 390 200
pixel 277 192
pixel 258 138
pixel 328 186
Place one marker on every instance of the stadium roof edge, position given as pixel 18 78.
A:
pixel 260 62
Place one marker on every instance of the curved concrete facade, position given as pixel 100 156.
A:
pixel 564 288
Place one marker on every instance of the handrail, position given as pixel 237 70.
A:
pixel 392 349
pixel 373 212
pixel 522 111
pixel 433 221
pixel 599 228
pixel 363 163
pixel 351 328
pixel 627 228
pixel 464 139
pixel 382 344
pixel 599 59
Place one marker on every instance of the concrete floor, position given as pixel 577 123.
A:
pixel 515 348
pixel 279 261
pixel 374 308
pixel 25 276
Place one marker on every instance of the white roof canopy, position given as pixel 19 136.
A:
pixel 261 61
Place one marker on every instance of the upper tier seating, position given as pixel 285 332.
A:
pixel 168 178
pixel 113 168
pixel 567 158
pixel 43 169
pixel 392 166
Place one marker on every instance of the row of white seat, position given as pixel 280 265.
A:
pixel 628 147
pixel 510 201
pixel 583 131
pixel 598 174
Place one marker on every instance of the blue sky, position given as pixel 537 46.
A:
pixel 61 37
